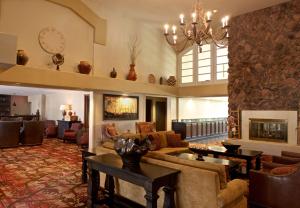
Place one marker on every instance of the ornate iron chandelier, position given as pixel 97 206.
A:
pixel 198 30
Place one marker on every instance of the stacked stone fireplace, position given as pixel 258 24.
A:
pixel 269 126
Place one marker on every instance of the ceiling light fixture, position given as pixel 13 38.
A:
pixel 198 30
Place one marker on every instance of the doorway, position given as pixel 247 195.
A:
pixel 156 111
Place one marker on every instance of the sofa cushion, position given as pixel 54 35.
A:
pixel 284 170
pixel 163 139
pixel 155 142
pixel 174 140
pixel 219 169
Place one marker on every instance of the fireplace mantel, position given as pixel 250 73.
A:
pixel 290 116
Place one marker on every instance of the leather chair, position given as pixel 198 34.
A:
pixel 287 158
pixel 51 128
pixel 72 133
pixel 145 127
pixel 10 133
pixel 33 132
pixel 270 190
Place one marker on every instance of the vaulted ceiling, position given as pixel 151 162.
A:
pixel 168 10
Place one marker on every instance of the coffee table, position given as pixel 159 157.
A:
pixel 231 166
pixel 245 154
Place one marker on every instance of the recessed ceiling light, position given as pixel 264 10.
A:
pixel 215 11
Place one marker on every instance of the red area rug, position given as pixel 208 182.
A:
pixel 42 176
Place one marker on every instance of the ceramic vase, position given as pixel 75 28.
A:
pixel 171 81
pixel 113 73
pixel 132 74
pixel 161 80
pixel 84 67
pixel 22 58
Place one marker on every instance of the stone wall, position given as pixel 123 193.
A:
pixel 264 59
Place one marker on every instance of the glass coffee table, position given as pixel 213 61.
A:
pixel 231 166
pixel 245 154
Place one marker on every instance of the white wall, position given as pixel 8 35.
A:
pixel 22 105
pixel 36 104
pixel 193 108
pixel 53 102
pixel 27 18
pixel 156 56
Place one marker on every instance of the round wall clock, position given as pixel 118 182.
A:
pixel 51 40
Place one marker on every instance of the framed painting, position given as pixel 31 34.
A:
pixel 119 107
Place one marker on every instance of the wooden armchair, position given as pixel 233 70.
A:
pixel 145 127
pixel 278 188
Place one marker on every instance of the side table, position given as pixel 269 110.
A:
pixel 151 177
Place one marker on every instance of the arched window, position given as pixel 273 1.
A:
pixel 211 65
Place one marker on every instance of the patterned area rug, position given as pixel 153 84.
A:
pixel 43 176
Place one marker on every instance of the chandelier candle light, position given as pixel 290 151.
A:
pixel 198 30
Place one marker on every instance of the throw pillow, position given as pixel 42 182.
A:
pixel 145 128
pixel 174 140
pixel 163 139
pixel 112 131
pixel 155 142
pixel 284 170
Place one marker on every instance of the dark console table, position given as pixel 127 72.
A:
pixel 150 176
pixel 245 154
pixel 64 125
pixel 86 152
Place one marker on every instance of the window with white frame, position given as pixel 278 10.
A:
pixel 187 71
pixel 204 63
pixel 222 63
pixel 208 66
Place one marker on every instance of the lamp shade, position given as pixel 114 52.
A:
pixel 8 48
pixel 69 107
pixel 62 107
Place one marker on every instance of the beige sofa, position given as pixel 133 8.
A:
pixel 200 184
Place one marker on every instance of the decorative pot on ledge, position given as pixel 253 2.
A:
pixel 171 81
pixel 84 67
pixel 22 58
pixel 132 74
pixel 113 73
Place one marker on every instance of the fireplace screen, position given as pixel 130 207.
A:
pixel 273 130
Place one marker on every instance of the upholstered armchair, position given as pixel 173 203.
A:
pixel 145 127
pixel 72 133
pixel 109 131
pixel 51 128
pixel 278 188
pixel 33 132
pixel 83 139
pixel 10 133
pixel 286 159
